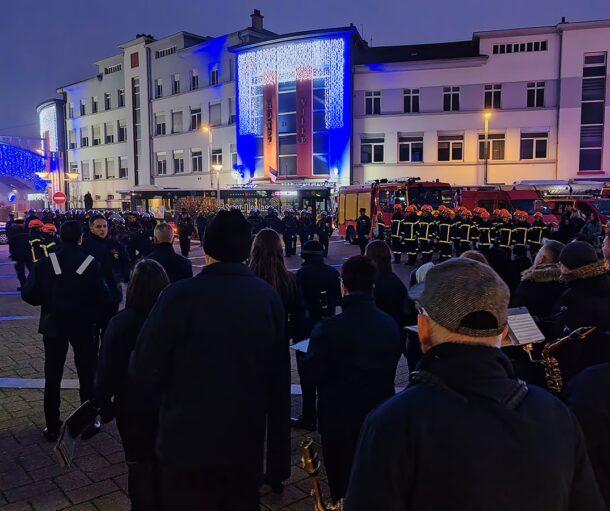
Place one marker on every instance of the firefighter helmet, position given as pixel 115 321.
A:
pixel 49 229
pixel 505 213
pixel 398 207
pixel 538 214
pixel 426 208
pixel 35 224
pixel 411 209
pixel 485 215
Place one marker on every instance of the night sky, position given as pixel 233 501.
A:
pixel 47 44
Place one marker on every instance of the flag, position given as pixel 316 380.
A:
pixel 272 174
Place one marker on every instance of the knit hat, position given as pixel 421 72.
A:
pixel 578 261
pixel 466 297
pixel 312 248
pixel 228 237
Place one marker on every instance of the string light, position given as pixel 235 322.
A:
pixel 320 58
pixel 48 124
pixel 21 163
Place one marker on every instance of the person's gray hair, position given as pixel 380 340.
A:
pixel 553 248
pixel 163 233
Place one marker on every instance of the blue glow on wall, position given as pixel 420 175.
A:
pixel 21 163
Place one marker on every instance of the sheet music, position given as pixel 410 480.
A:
pixel 522 327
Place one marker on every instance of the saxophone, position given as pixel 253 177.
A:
pixel 311 463
pixel 552 370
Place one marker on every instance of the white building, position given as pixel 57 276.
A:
pixel 419 110
pixel 134 130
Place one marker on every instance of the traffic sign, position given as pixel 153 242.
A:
pixel 59 198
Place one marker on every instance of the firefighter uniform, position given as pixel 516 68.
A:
pixel 505 233
pixel 465 235
pixel 486 234
pixel 520 233
pixel 426 233
pixel 444 236
pixel 536 233
pixel 408 232
pixel 395 235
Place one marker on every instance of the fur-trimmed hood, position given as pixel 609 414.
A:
pixel 542 273
pixel 589 271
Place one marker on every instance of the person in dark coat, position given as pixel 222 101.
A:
pixel 135 410
pixel 290 227
pixel 352 358
pixel 226 367
pixel 466 433
pixel 114 261
pixel 256 221
pixel 324 230
pixel 185 232
pixel 19 250
pixel 363 230
pixel 202 223
pixel 176 266
pixel 320 287
pixel 70 288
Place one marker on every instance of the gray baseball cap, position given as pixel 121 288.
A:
pixel 466 297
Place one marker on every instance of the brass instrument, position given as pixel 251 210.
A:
pixel 311 464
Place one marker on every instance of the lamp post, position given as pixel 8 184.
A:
pixel 217 168
pixel 486 117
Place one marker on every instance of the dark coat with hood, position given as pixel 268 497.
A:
pixel 176 266
pixel 454 442
pixel 539 290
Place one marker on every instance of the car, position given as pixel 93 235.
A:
pixel 3 235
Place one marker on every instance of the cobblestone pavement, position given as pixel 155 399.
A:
pixel 30 478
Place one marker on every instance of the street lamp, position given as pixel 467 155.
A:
pixel 486 117
pixel 217 168
pixel 208 130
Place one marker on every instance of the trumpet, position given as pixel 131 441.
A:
pixel 311 464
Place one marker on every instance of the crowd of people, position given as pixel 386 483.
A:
pixel 196 370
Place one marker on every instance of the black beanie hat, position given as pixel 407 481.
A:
pixel 577 254
pixel 312 248
pixel 228 237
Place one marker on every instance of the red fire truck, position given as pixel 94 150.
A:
pixel 381 197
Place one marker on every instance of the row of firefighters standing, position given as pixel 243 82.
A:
pixel 444 230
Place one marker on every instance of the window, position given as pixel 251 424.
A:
pixel 214 75
pixel 98 169
pixel 233 150
pixel 84 170
pixel 371 150
pixel 216 156
pixel 135 60
pixel 176 84
pixel 109 133
pixel 161 163
pixel 107 105
pixel 195 118
pixel 592 112
pixel 112 69
pixel 520 47
pixel 411 101
pixel 451 99
pixel 122 130
pixel 178 162
pixel 159 124
pixel 495 149
pixel 493 96
pixel 450 147
pixel 94 104
pixel 535 94
pixel 72 139
pixel 215 118
pixel 96 133
pixel 197 160
pixel 411 149
pixel 82 107
pixel 70 110
pixel 84 137
pixel 164 52
pixel 121 98
pixel 74 167
pixel 158 88
pixel 123 171
pixel 110 168
pixel 534 145
pixel 288 155
pixel 177 122
pixel 194 79
pixel 372 102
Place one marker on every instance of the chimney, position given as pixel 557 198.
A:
pixel 257 20
pixel 563 19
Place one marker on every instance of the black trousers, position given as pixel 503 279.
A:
pixel 20 270
pixel 290 244
pixel 338 449
pixel 85 360
pixel 445 250
pixel 323 239
pixel 363 241
pixel 308 392
pixel 231 488
pixel 185 246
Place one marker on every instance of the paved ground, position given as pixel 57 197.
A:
pixel 29 476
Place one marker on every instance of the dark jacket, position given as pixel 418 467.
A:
pixel 455 444
pixel 176 266
pixel 19 244
pixel 352 358
pixel 70 303
pixel 214 349
pixel 363 226
pixel 114 261
pixel 588 396
pixel 391 296
pixel 321 290
pixel 539 289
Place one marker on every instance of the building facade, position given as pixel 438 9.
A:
pixel 254 110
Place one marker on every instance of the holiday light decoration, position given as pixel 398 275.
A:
pixel 21 163
pixel 320 58
pixel 47 117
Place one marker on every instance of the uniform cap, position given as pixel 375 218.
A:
pixel 466 297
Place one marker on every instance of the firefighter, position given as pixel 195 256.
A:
pixel 505 232
pixel 425 233
pixel 455 232
pixel 381 227
pixel 324 230
pixel 363 230
pixel 408 234
pixel 49 240
pixel 486 233
pixel 395 235
pixel 521 228
pixel 465 231
pixel 444 234
pixel 536 233
pixel 36 247
pixel 185 231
